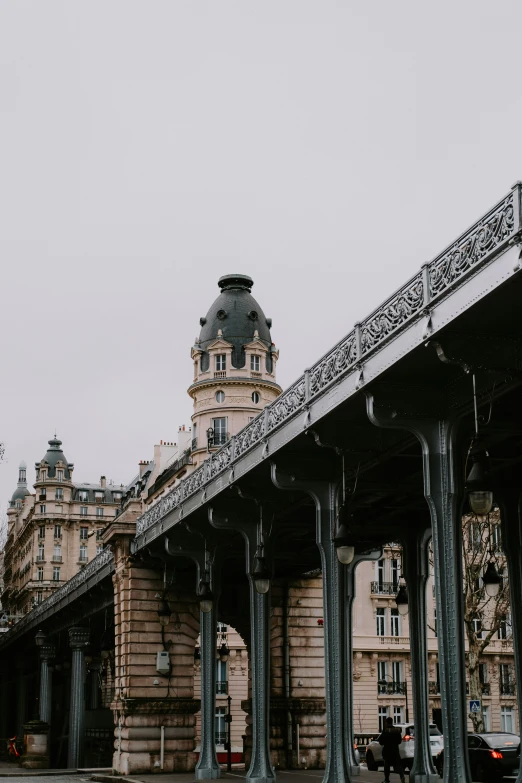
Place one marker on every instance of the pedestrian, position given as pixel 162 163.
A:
pixel 390 740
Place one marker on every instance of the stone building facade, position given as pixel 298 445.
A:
pixel 53 532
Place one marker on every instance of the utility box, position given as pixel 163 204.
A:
pixel 163 663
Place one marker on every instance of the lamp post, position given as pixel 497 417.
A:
pixel 228 719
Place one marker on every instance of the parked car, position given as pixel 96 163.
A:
pixel 491 756
pixel 374 758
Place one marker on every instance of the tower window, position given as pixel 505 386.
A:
pixel 255 397
pixel 255 363
pixel 220 431
pixel 84 533
pixel 59 493
pixel 221 362
pixel 220 396
pixel 59 475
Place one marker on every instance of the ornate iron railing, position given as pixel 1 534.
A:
pixel 433 687
pixel 222 686
pixel 385 588
pixel 486 238
pixel 104 558
pixel 389 688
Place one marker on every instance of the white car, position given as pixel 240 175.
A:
pixel 374 758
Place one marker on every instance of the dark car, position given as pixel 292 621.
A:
pixel 492 755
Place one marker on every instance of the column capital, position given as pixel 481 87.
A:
pixel 78 638
pixel 47 652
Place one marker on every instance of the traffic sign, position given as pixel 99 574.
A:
pixel 474 706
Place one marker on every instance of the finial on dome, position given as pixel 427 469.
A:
pixel 235 281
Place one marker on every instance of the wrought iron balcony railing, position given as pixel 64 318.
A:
pixel 488 237
pixel 507 688
pixel 385 588
pixel 222 686
pixel 433 687
pixel 390 688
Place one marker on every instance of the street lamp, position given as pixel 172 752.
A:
pixel 205 595
pixel 478 483
pixel 210 438
pixel 402 600
pixel 260 572
pixel 343 539
pixel 224 652
pixel 492 580
pixel 40 638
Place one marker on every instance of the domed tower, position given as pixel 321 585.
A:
pixel 234 366
pixel 21 490
pixel 52 469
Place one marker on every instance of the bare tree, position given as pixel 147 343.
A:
pixel 484 615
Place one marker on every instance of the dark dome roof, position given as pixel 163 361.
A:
pixel 239 316
pixel 20 493
pixel 53 456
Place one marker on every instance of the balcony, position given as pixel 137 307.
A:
pixel 507 688
pixel 403 640
pixel 385 588
pixel 433 687
pixel 57 559
pixel 220 374
pixel 390 688
pixel 222 686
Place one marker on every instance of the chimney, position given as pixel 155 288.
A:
pixel 103 482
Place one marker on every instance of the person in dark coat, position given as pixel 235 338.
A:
pixel 390 739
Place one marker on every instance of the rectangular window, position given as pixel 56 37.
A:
pixel 477 627
pixel 395 623
pixel 83 553
pixel 507 723
pixel 221 362
pixel 99 512
pixel 99 548
pixel 99 534
pixel 43 475
pixel 43 493
pixel 221 677
pixel 475 537
pixel 382 676
pixel 220 726
pixel 42 508
pixel 504 629
pixel 83 495
pixel 41 532
pixel 56 574
pixel 59 475
pixel 380 572
pixel 255 363
pixel 84 533
pixel 397 671
pixel 506 679
pixel 39 597
pixel 380 621
pixel 383 714
pixel 117 495
pixel 220 431
pixel 99 497
pixel 41 552
pixel 57 531
pixel 397 714
pixel 57 552
pixel 39 573
pixel 496 538
pixel 395 573
pixel 486 718
pixel 58 494
pixel 83 511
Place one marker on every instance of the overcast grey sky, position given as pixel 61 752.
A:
pixel 147 147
